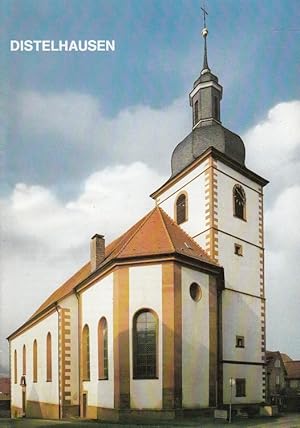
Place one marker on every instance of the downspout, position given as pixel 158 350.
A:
pixel 10 375
pixel 57 307
pixel 79 350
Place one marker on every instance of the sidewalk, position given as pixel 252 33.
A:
pixel 287 421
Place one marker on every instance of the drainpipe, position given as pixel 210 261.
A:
pixel 79 350
pixel 57 307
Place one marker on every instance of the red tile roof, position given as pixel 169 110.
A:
pixel 155 234
pixel 293 369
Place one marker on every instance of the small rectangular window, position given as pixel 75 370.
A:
pixel 240 342
pixel 240 387
pixel 238 249
pixel 277 380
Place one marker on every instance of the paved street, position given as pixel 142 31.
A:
pixel 288 421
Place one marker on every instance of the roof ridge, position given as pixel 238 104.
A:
pixel 135 232
pixel 160 210
pixel 190 237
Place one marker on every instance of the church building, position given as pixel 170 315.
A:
pixel 170 316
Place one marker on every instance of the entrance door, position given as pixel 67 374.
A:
pixel 24 401
pixel 84 404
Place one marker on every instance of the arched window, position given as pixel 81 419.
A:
pixel 35 361
pixel 239 202
pixel 49 357
pixel 216 108
pixel 181 208
pixel 15 367
pixel 145 339
pixel 24 360
pixel 196 112
pixel 102 349
pixel 86 353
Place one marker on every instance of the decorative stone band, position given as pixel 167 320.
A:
pixel 65 356
pixel 263 345
pixel 262 287
pixel 211 208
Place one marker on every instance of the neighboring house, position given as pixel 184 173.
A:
pixel 4 396
pixel 276 375
pixel 293 385
pixel 5 388
pixel 170 316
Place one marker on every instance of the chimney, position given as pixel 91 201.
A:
pixel 97 251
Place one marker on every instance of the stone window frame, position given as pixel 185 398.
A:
pixel 136 367
pixel 102 349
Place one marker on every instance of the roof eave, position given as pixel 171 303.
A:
pixel 216 154
pixel 187 260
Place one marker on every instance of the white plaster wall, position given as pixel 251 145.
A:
pixel 241 272
pixel 195 341
pixel 97 302
pixel 71 303
pixel 238 176
pixel 241 317
pixel 253 376
pixel 193 185
pixel 145 291
pixel 247 230
pixel 43 391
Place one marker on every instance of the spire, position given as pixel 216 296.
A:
pixel 205 67
pixel 206 95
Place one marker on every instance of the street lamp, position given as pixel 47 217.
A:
pixel 231 383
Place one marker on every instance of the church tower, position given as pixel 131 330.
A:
pixel 218 201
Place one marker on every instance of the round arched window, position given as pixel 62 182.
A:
pixel 195 292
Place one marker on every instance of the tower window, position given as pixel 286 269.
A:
pixel 102 349
pixel 216 108
pixel 145 337
pixel 181 208
pixel 196 112
pixel 239 202
pixel 86 353
pixel 238 249
pixel 240 385
pixel 240 342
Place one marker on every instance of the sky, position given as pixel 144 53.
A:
pixel 86 137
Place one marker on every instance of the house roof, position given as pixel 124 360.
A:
pixel 153 235
pixel 285 358
pixel 293 369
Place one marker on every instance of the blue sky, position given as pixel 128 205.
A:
pixel 72 119
pixel 251 43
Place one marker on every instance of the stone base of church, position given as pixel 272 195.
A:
pixel 140 415
pixel 37 409
pixel 70 411
pixel 16 412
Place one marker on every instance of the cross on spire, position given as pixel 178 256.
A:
pixel 204 15
pixel 205 67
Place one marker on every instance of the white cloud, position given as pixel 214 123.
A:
pixel 66 135
pixel 45 240
pixel 273 146
pixel 273 150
